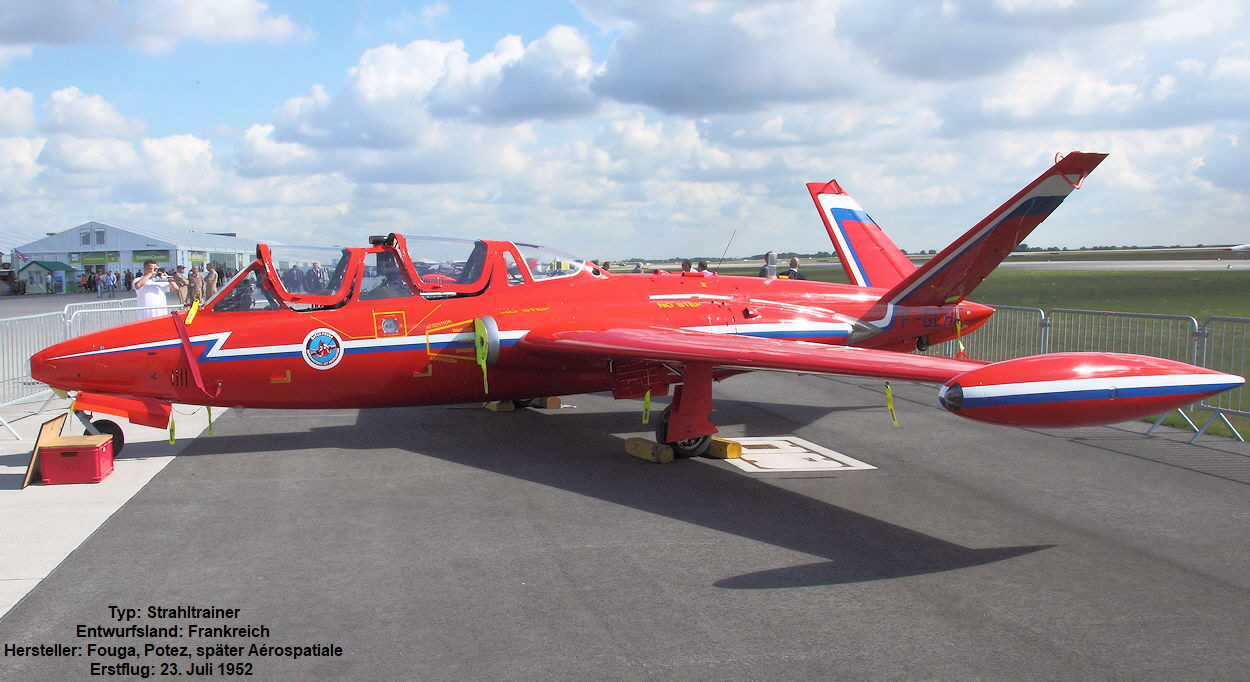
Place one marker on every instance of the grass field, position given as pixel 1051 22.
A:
pixel 1198 294
pixel 1127 254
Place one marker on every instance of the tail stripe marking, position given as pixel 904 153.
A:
pixel 1035 207
pixel 842 207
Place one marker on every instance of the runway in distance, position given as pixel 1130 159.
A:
pixel 428 321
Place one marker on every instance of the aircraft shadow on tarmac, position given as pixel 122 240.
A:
pixel 586 459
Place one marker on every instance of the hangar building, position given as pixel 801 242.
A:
pixel 96 247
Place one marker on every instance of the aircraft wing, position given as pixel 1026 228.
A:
pixel 746 352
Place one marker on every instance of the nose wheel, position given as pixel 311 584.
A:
pixel 110 428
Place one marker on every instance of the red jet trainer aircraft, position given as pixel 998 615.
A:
pixel 418 321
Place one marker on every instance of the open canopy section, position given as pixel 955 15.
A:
pixel 298 277
pixel 316 277
pixel 544 263
pixel 461 266
pixel 309 270
pixel 444 260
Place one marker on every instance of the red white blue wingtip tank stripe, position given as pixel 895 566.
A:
pixel 1079 389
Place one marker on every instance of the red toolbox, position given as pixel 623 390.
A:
pixel 76 459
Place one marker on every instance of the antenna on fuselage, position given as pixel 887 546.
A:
pixel 722 255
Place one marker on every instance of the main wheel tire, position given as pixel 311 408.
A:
pixel 110 428
pixel 685 448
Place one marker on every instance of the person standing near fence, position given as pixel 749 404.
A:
pixel 210 281
pixel 179 279
pixel 150 290
pixel 195 284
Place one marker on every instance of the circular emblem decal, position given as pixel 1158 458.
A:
pixel 322 349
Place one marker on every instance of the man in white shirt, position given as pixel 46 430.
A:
pixel 150 291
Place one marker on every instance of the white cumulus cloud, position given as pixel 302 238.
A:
pixel 17 112
pixel 73 112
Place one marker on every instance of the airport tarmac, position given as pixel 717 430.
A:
pixel 459 543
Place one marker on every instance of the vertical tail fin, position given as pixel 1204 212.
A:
pixel 952 274
pixel 867 254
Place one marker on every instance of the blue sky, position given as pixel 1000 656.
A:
pixel 612 128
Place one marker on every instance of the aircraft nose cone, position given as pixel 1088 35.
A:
pixel 975 313
pixel 46 370
pixel 39 367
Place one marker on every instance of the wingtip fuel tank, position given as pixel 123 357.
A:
pixel 1079 389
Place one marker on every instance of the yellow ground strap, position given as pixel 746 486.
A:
pixel 889 403
pixel 646 407
pixel 482 344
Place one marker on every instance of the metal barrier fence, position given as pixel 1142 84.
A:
pixel 1163 336
pixel 24 336
pixel 91 320
pixel 1011 332
pixel 1223 344
pixel 1219 343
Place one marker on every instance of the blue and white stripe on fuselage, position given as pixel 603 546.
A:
pixel 826 332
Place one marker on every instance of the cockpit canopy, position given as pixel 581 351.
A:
pixel 312 277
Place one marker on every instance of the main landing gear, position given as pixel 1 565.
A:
pixel 684 425
pixel 684 448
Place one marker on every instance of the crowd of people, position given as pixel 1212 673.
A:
pixel 106 283
pixel 190 285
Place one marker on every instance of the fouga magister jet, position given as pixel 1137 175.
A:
pixel 429 321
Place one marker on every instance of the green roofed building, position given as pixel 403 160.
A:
pixel 45 277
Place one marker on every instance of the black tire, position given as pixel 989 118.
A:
pixel 524 403
pixel 683 449
pixel 110 428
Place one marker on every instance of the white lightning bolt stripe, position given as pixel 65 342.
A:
pixel 216 350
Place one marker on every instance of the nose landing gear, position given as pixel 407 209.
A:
pixel 105 427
